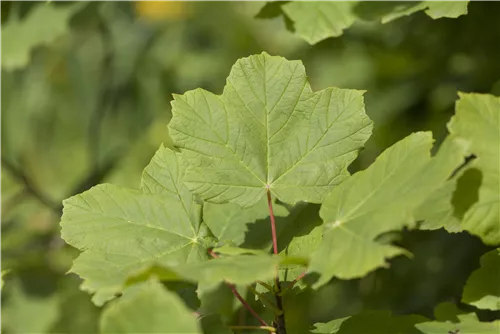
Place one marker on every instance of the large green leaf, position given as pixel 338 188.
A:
pixel 469 324
pixel 268 131
pixel 41 26
pixel 148 308
pixel 483 287
pixel 378 200
pixel 315 21
pixel 477 120
pixel 121 230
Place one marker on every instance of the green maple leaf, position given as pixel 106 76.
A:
pixel 315 21
pixel 380 199
pixel 483 287
pixel 477 120
pixel 120 231
pixel 148 308
pixel 268 131
pixel 124 232
pixel 468 324
pixel 41 26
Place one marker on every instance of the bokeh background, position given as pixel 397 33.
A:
pixel 92 104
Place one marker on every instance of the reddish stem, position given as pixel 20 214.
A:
pixel 211 252
pixel 247 306
pixel 279 322
pixel 240 298
pixel 273 223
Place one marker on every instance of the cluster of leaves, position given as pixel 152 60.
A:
pixel 103 63
pixel 315 21
pixel 270 141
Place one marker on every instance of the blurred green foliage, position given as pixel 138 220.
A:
pixel 85 100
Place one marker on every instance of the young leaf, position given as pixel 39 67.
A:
pixel 477 120
pixel 268 131
pixel 148 308
pixel 380 199
pixel 469 324
pixel 315 21
pixel 483 287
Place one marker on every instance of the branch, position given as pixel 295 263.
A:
pixel 29 186
pixel 273 222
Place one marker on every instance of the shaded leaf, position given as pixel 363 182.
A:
pixel 447 312
pixel 483 287
pixel 230 222
pixel 212 324
pixel 268 130
pixel 469 324
pixel 446 206
pixel 373 322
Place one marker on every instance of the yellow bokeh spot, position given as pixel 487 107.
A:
pixel 162 10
